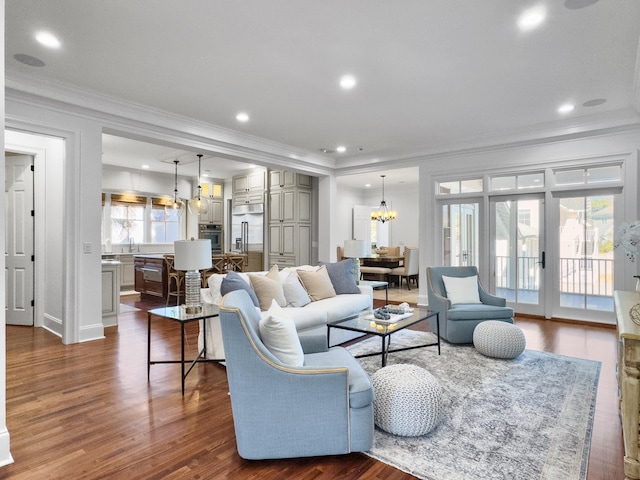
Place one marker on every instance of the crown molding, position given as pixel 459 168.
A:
pixel 596 125
pixel 145 123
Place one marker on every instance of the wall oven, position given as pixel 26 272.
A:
pixel 213 233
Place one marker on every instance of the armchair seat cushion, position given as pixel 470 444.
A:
pixel 360 387
pixel 478 311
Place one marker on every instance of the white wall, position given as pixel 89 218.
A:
pixel 115 179
pixel 404 230
pixel 526 158
pixel 5 453
pixel 72 220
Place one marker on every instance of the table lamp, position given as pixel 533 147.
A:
pixel 191 256
pixel 355 249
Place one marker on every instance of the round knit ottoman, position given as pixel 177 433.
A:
pixel 499 339
pixel 408 400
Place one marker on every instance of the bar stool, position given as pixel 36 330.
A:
pixel 218 263
pixel 235 262
pixel 175 280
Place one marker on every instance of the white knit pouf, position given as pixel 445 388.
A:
pixel 408 400
pixel 499 339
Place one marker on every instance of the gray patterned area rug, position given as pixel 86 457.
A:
pixel 526 418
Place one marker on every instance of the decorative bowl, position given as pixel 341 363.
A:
pixel 381 251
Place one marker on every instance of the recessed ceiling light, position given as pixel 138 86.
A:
pixel 242 117
pixel 566 108
pixel 146 167
pixel 47 39
pixel 341 149
pixel 28 60
pixel 531 18
pixel 348 82
pixel 367 185
pixel 327 150
pixel 594 103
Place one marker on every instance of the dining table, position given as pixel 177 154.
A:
pixel 384 261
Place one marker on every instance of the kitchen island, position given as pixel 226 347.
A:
pixel 151 276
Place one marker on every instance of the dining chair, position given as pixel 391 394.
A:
pixel 175 279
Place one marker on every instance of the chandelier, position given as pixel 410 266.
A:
pixel 198 205
pixel 383 214
pixel 177 205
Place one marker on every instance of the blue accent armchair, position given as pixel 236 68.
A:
pixel 457 321
pixel 322 408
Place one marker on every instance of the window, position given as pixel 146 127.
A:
pixel 591 175
pixel 165 224
pixel 473 185
pixel 127 218
pixel 517 182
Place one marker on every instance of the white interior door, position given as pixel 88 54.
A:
pixel 19 239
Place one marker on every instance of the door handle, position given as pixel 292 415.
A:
pixel 542 261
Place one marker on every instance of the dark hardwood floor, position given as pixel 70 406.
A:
pixel 86 411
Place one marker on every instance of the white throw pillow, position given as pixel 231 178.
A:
pixel 462 289
pixel 279 335
pixel 294 292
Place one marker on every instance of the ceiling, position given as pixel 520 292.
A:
pixel 432 76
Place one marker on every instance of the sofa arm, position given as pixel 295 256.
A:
pixel 205 296
pixel 367 290
pixel 489 299
pixel 313 342
pixel 439 303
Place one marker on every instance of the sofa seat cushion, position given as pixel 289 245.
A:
pixel 478 311
pixel 360 387
pixel 306 318
pixel 341 306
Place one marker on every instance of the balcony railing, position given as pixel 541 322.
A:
pixel 587 276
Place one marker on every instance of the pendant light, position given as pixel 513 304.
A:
pixel 177 205
pixel 198 205
pixel 383 214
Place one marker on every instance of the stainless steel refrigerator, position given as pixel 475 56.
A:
pixel 247 228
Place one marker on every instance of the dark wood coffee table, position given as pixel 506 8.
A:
pixel 364 323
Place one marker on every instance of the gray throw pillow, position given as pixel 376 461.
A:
pixel 233 281
pixel 342 276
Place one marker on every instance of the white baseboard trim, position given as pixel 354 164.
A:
pixel 54 325
pixel 5 454
pixel 91 332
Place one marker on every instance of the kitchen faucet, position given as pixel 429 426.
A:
pixel 131 244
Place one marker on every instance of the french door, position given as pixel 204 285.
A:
pixel 585 267
pixel 517 251
pixel 460 230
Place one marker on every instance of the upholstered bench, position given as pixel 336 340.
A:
pixel 408 400
pixel 498 339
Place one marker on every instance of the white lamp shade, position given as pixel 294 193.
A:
pixel 355 248
pixel 192 254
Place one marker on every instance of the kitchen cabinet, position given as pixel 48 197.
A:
pixel 289 219
pixel 249 182
pixel 127 276
pixel 150 275
pixel 288 179
pixel 110 292
pixel 254 262
pixel 248 198
pixel 215 212
pixel 213 194
pixel 282 206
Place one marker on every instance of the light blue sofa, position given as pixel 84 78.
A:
pixel 322 408
pixel 457 321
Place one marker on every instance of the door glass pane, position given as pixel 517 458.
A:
pixel 517 247
pixel 586 252
pixel 460 234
